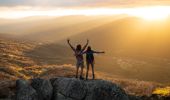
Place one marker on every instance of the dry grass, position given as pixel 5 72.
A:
pixel 15 65
pixel 162 91
pixel 131 86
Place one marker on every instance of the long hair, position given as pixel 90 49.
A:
pixel 78 48
pixel 88 48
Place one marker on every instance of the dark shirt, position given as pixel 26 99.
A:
pixel 89 56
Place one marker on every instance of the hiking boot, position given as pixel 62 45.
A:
pixel 81 78
pixel 86 78
pixel 93 76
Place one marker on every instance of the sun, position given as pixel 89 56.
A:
pixel 151 13
pixel 154 17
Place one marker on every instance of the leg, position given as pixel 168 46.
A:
pixel 92 65
pixel 77 69
pixel 87 70
pixel 81 75
pixel 82 67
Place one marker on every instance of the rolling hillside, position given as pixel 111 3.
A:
pixel 16 64
pixel 126 54
pixel 134 48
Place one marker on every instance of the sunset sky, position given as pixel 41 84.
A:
pixel 25 8
pixel 83 3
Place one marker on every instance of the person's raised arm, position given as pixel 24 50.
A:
pixel 98 52
pixel 68 41
pixel 85 45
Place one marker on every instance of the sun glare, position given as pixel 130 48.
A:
pixel 148 13
pixel 151 13
pixel 153 16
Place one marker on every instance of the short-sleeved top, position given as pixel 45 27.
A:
pixel 79 56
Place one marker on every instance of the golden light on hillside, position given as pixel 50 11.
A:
pixel 162 91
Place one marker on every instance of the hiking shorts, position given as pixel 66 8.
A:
pixel 80 64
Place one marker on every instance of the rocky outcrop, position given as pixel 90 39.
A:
pixel 43 88
pixel 104 90
pixel 25 91
pixel 69 89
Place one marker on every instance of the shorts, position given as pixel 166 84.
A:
pixel 80 64
pixel 89 61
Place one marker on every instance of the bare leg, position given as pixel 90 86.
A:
pixel 92 65
pixel 87 71
pixel 82 67
pixel 77 69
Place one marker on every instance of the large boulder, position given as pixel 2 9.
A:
pixel 70 87
pixel 104 90
pixel 62 97
pixel 74 89
pixel 43 88
pixel 24 91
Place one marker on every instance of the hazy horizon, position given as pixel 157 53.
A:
pixel 134 34
pixel 152 9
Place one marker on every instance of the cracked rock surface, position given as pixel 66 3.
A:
pixel 69 89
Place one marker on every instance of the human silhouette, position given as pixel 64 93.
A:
pixel 78 52
pixel 90 60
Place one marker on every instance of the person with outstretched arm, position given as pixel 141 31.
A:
pixel 90 60
pixel 78 52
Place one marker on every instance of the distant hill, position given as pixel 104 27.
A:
pixel 130 35
pixel 135 48
pixel 54 29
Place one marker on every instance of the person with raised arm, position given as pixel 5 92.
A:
pixel 78 52
pixel 90 60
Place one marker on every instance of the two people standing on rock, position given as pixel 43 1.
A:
pixel 78 52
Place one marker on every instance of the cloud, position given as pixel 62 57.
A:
pixel 84 3
pixel 24 8
pixel 61 3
